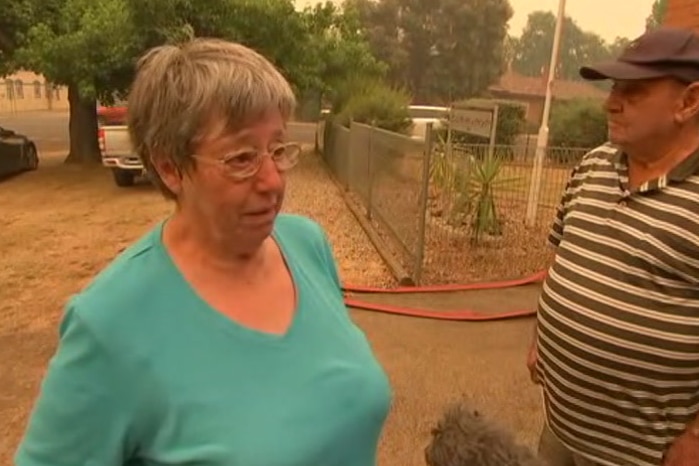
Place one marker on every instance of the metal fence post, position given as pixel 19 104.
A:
pixel 424 195
pixel 370 172
pixel 536 178
pixel 347 157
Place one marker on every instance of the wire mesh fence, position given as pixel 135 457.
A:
pixel 477 214
pixel 383 173
pixel 451 213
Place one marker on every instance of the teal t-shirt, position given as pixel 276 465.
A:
pixel 147 374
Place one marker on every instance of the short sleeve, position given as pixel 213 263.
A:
pixel 83 412
pixel 556 232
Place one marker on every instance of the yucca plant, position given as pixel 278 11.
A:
pixel 477 187
pixel 442 173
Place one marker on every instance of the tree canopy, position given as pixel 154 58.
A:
pixel 440 50
pixel 532 50
pixel 657 14
pixel 91 46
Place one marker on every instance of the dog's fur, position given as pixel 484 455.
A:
pixel 465 438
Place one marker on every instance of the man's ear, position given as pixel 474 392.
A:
pixel 690 104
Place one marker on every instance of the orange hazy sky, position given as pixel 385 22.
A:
pixel 608 18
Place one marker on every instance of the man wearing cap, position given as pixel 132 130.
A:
pixel 617 336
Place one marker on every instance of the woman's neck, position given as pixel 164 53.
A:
pixel 201 245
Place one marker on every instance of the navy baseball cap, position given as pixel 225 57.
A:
pixel 662 52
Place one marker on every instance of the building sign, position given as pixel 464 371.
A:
pixel 476 121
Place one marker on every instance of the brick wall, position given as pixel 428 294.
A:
pixel 683 13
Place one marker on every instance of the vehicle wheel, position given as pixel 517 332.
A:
pixel 123 178
pixel 32 158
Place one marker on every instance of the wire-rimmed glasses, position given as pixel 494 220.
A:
pixel 245 163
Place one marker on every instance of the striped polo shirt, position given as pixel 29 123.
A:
pixel 618 317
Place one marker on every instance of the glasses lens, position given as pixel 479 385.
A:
pixel 245 165
pixel 286 156
pixel 242 164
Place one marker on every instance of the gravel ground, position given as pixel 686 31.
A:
pixel 311 192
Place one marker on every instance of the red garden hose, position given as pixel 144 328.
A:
pixel 455 315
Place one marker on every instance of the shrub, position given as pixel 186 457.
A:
pixel 579 123
pixel 372 102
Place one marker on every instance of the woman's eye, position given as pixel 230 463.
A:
pixel 242 158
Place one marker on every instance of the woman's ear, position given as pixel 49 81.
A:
pixel 169 173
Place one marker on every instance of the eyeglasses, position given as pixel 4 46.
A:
pixel 245 163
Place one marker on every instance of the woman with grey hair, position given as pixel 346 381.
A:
pixel 221 336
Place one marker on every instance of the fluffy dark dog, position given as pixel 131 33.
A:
pixel 465 438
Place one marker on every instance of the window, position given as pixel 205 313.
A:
pixel 37 90
pixel 10 92
pixel 19 89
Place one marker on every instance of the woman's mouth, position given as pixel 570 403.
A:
pixel 265 215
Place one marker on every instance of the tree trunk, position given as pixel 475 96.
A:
pixel 82 128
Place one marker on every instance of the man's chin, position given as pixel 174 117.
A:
pixel 615 138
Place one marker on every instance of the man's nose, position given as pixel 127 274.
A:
pixel 613 103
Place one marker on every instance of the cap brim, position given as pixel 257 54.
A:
pixel 619 70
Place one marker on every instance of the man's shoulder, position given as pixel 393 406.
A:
pixel 605 154
pixel 600 160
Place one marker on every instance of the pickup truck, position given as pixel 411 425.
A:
pixel 118 155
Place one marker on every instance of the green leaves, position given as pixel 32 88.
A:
pixel 531 52
pixel 372 102
pixel 85 44
pixel 94 44
pixel 337 47
pixel 578 123
pixel 657 14
pixel 578 47
pixel 16 18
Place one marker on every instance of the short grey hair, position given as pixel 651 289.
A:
pixel 179 89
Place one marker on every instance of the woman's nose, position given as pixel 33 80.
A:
pixel 269 178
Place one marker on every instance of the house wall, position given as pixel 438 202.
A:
pixel 682 13
pixel 26 91
pixel 534 105
pixel 535 109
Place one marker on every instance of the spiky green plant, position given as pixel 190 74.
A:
pixel 477 187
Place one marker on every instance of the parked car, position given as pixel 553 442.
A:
pixel 17 153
